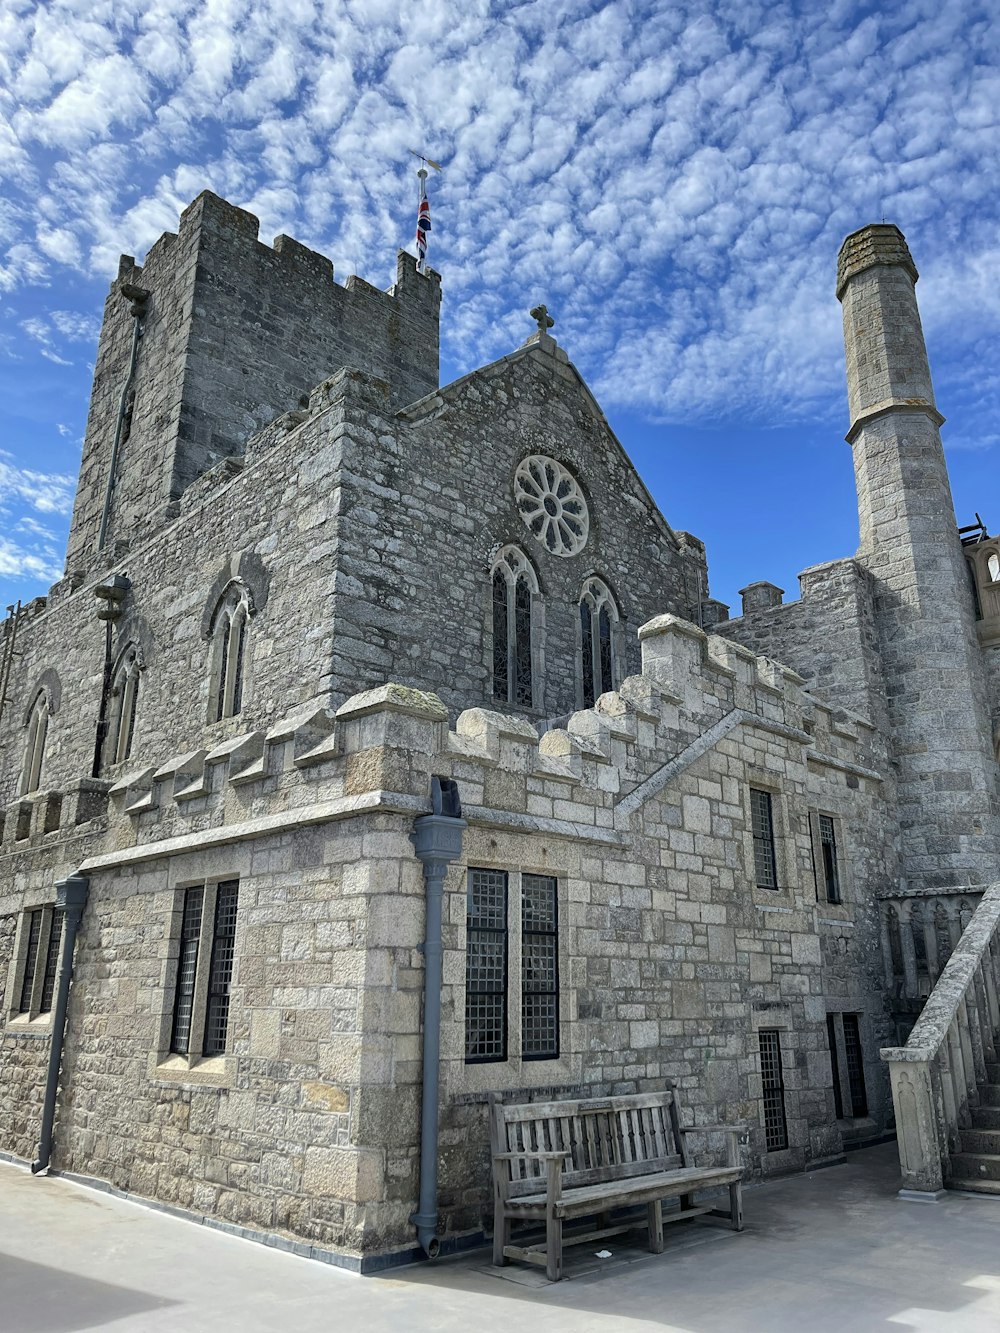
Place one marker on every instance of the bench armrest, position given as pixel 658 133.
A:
pixel 732 1147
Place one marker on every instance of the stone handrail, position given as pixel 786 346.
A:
pixel 935 1076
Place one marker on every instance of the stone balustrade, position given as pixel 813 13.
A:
pixel 919 931
pixel 936 1074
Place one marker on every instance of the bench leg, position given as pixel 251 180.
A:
pixel 736 1206
pixel 553 1247
pixel 654 1213
pixel 501 1234
pixel 687 1201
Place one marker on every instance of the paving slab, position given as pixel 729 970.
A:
pixel 831 1250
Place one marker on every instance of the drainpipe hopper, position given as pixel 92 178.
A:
pixel 437 840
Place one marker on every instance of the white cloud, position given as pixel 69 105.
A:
pixel 29 563
pixel 673 180
pixel 45 492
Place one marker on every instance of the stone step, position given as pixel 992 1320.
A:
pixel 992 1071
pixel 978 1140
pixel 976 1165
pixel 989 1094
pixel 974 1186
pixel 985 1117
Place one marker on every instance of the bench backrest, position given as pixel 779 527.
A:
pixel 608 1138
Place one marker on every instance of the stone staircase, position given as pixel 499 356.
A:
pixel 976 1166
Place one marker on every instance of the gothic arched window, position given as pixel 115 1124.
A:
pixel 34 747
pixel 993 567
pixel 514 589
pixel 229 645
pixel 598 621
pixel 124 701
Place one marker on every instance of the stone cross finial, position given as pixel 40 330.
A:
pixel 543 318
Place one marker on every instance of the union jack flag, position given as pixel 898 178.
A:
pixel 423 226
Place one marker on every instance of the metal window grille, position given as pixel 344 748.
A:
pixel 30 960
pixel 604 634
pixel 539 967
pixel 828 851
pixel 831 1034
pixel 587 653
pixel 775 1124
pixel 486 967
pixel 187 967
pixel 501 673
pixel 765 863
pixel 51 964
pixel 522 642
pixel 855 1065
pixel 220 973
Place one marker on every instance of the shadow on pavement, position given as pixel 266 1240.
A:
pixel 38 1299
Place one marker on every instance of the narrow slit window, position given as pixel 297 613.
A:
pixel 855 1065
pixel 539 968
pixel 828 856
pixel 764 858
pixel 831 1034
pixel 486 967
pixel 773 1085
pixel 501 671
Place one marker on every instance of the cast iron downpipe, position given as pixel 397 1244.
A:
pixel 437 839
pixel 139 296
pixel 71 899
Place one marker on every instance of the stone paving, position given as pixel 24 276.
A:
pixel 833 1250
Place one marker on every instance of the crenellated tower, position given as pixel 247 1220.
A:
pixel 212 337
pixel 931 661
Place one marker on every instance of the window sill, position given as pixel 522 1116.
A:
pixel 23 1025
pixel 513 1073
pixel 217 1071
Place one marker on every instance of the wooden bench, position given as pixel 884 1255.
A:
pixel 560 1161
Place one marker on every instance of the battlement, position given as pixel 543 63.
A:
pixel 229 335
pixel 380 747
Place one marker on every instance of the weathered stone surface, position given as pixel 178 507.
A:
pixel 361 522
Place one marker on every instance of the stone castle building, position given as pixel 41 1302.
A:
pixel 330 634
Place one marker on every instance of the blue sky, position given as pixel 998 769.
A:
pixel 672 180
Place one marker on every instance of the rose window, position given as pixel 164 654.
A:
pixel 550 501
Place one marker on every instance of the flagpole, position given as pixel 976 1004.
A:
pixel 421 195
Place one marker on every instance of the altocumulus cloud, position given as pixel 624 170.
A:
pixel 673 180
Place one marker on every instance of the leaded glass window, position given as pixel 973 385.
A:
pixel 598 616
pixel 539 968
pixel 34 747
pixel 514 587
pixel 205 970
pixel 51 963
pixel 764 858
pixel 501 668
pixel 187 969
pixel 34 925
pixel 486 967
pixel 229 638
pixel 221 971
pixel 124 703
